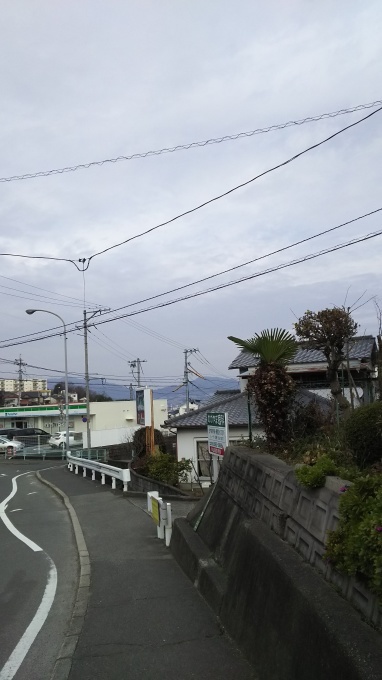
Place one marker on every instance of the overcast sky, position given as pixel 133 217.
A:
pixel 92 80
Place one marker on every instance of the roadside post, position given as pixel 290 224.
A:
pixel 218 438
pixel 161 514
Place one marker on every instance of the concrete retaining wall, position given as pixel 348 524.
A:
pixel 289 621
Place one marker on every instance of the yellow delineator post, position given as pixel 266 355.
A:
pixel 155 510
pixel 161 514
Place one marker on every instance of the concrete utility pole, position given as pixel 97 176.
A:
pixel 87 391
pixel 131 392
pixel 136 363
pixel 87 394
pixel 20 363
pixel 186 378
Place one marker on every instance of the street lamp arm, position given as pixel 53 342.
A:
pixel 47 311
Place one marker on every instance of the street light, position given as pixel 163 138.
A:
pixel 46 311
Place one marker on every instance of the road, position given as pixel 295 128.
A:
pixel 39 572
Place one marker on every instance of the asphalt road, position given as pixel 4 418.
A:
pixel 36 539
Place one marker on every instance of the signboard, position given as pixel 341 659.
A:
pixel 217 428
pixel 143 402
pixel 155 510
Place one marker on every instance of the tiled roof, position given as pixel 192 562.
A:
pixel 233 404
pixel 236 405
pixel 359 348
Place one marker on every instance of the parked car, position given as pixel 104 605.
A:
pixel 6 443
pixel 31 436
pixel 58 439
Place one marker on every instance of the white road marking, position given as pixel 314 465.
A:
pixel 33 546
pixel 3 474
pixel 31 493
pixel 16 510
pixel 22 648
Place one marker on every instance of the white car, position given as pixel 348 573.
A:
pixel 58 439
pixel 6 443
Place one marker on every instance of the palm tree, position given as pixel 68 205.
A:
pixel 271 385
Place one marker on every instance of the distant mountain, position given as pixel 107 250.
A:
pixel 200 389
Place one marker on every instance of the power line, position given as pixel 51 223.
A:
pixel 85 262
pixel 286 265
pixel 306 258
pixel 45 290
pixel 256 259
pixel 235 188
pixel 190 145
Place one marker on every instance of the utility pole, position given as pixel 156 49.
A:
pixel 136 363
pixel 20 363
pixel 186 379
pixel 88 435
pixel 86 320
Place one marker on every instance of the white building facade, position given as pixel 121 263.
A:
pixel 116 420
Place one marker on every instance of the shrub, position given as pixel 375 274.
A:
pixel 314 475
pixel 355 547
pixel 363 434
pixel 165 468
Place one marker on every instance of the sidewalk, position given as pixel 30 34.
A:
pixel 145 620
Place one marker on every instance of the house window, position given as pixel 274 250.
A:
pixel 203 458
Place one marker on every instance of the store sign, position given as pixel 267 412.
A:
pixel 217 429
pixel 143 402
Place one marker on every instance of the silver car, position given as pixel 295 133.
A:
pixel 7 444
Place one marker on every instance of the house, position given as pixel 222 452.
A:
pixel 308 368
pixel 191 428
pixel 180 410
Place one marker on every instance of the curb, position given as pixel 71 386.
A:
pixel 63 663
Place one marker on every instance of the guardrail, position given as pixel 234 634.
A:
pixel 161 514
pixel 74 462
pixel 93 454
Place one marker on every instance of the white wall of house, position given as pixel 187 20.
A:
pixel 116 435
pixel 188 438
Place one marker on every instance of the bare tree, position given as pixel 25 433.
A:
pixel 329 330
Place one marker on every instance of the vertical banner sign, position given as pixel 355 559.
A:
pixel 144 406
pixel 217 428
pixel 140 401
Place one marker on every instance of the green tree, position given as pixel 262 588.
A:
pixel 271 386
pixel 329 330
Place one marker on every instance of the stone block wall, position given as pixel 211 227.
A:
pixel 266 488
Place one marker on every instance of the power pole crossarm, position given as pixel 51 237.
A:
pixel 137 363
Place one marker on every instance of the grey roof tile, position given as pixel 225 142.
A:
pixel 236 405
pixel 360 348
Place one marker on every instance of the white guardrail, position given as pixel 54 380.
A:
pixel 161 514
pixel 74 463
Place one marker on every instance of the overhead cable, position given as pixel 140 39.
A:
pixel 279 267
pixel 190 145
pixel 85 261
pixel 235 188
pixel 256 259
